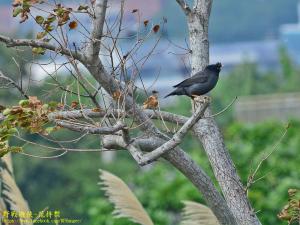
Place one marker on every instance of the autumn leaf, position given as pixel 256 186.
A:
pixel 73 25
pixel 34 102
pixel 146 22
pixel 16 110
pixel 291 211
pixel 151 102
pixel 74 104
pixel 64 18
pixel 156 28
pixel 116 95
pixel 96 110
pixel 17 3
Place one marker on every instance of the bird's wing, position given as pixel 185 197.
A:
pixel 200 77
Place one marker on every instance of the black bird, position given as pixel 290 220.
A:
pixel 200 83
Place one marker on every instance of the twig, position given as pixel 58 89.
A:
pixel 251 176
pixel 223 110
pixel 93 48
pixel 13 83
pixel 10 42
pixel 177 137
pixel 90 130
pixel 185 7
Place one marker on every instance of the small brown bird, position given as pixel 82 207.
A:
pixel 152 101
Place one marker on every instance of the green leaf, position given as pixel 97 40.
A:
pixel 39 51
pixel 60 11
pixel 12 130
pixel 6 112
pixel 39 19
pixel 51 19
pixel 15 149
pixel 49 28
pixel 40 35
pixel 52 104
pixel 83 7
pixel 45 107
pixel 26 5
pixel 3 152
pixel 24 103
pixel 49 129
pixel 17 11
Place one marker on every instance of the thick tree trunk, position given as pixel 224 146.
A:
pixel 207 130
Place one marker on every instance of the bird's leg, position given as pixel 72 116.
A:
pixel 194 101
pixel 200 99
pixel 206 98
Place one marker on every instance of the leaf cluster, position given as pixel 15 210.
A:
pixel 291 211
pixel 30 115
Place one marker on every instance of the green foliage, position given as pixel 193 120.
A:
pixel 246 80
pixel 248 144
pixel 160 188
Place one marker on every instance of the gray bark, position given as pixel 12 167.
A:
pixel 183 162
pixel 207 130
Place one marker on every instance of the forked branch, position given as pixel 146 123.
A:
pixel 177 137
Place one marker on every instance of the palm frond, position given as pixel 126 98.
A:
pixel 197 214
pixel 125 202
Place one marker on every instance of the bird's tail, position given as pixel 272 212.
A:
pixel 175 92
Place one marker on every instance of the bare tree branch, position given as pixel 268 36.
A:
pixel 185 7
pixel 10 42
pixel 92 51
pixel 177 137
pixel 113 113
pixel 14 84
pixel 90 130
pixel 181 160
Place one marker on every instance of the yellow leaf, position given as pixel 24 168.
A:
pixel 73 25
